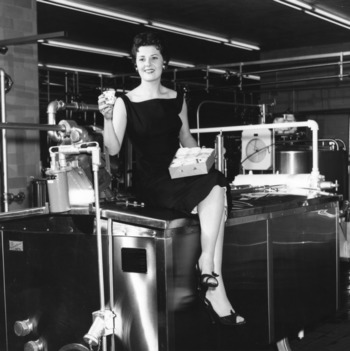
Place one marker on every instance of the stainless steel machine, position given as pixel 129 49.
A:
pixel 280 270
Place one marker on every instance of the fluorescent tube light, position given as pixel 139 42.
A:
pixel 217 70
pixel 290 5
pixel 333 17
pixel 136 20
pixel 188 32
pixel 239 45
pixel 300 4
pixel 244 45
pixel 316 12
pixel 327 19
pixel 86 48
pixel 180 64
pixel 204 36
pixel 228 71
pixel 251 76
pixel 72 5
pixel 74 69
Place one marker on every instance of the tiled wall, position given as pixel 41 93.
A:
pixel 18 20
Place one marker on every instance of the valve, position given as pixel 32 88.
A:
pixel 102 325
pixel 74 347
pixel 37 345
pixel 23 328
pixel 19 198
pixel 329 185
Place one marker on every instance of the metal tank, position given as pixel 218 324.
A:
pixel 333 164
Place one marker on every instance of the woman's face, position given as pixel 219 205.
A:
pixel 149 62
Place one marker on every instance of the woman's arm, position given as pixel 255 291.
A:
pixel 186 138
pixel 114 124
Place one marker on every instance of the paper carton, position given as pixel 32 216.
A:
pixel 191 161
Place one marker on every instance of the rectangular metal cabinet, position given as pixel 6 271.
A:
pixel 280 268
pixel 154 279
pixel 51 280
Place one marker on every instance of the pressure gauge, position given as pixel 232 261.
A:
pixel 256 149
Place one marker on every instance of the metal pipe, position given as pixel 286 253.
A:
pixel 341 67
pixel 310 124
pixel 292 68
pixel 309 79
pixel 99 251
pixel 251 63
pixel 4 185
pixel 29 212
pixel 99 242
pixel 219 146
pixel 32 126
pixel 330 141
pixel 55 106
pixel 110 266
pixel 342 142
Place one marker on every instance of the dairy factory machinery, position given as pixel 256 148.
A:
pixel 82 272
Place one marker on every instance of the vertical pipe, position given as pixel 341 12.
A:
pixel 4 184
pixel 341 67
pixel 174 74
pixel 270 288
pixel 220 153
pixel 99 252
pixel 48 86
pixel 66 91
pixel 315 169
pixel 111 279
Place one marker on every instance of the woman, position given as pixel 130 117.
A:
pixel 155 119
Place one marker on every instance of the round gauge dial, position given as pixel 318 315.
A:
pixel 256 150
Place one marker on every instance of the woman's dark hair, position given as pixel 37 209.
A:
pixel 149 39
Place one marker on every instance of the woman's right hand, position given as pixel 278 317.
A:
pixel 105 108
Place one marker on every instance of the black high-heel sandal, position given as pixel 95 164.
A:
pixel 207 280
pixel 230 319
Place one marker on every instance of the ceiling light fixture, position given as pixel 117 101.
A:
pixel 316 12
pixel 187 32
pixel 86 48
pixel 327 19
pixel 299 3
pixel 239 45
pixel 94 10
pixel 201 35
pixel 290 5
pixel 136 20
pixel 74 69
pixel 331 16
pixel 180 64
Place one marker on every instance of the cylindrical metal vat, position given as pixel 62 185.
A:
pixel 293 162
pixel 333 164
pixel 39 192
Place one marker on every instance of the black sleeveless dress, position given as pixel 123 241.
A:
pixel 153 127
